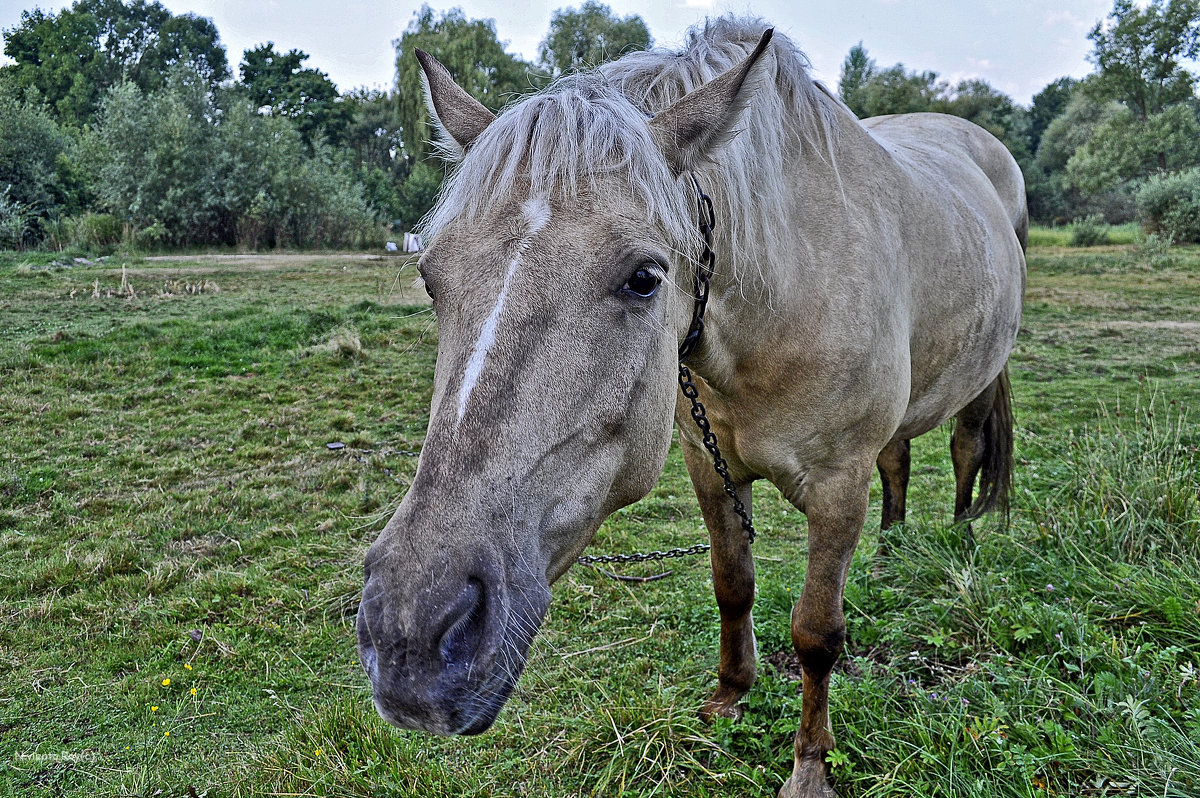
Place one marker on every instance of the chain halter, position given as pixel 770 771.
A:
pixel 707 220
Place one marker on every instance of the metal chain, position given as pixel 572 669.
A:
pixel 709 440
pixel 647 556
pixel 707 221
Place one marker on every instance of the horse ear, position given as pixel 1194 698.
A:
pixel 705 118
pixel 458 115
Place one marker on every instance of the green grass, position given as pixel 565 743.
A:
pixel 169 509
pixel 1118 235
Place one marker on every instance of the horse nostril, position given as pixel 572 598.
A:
pixel 467 622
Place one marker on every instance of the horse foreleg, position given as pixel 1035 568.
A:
pixel 836 508
pixel 733 583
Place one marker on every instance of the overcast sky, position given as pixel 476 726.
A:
pixel 1018 46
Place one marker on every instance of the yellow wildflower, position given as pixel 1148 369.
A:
pixel 154 709
pixel 187 666
pixel 166 682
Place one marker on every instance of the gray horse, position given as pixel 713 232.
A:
pixel 868 287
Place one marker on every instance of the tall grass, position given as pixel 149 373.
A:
pixel 1131 488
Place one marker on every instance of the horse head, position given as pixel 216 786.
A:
pixel 561 269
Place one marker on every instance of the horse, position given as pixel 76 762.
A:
pixel 867 285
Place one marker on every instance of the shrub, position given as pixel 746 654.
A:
pixel 1090 231
pixel 152 236
pixel 1155 249
pixel 98 231
pixel 16 222
pixel 92 232
pixel 1170 204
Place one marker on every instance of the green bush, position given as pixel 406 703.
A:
pixel 16 222
pixel 58 233
pixel 1090 231
pixel 1170 204
pixel 152 236
pixel 92 232
pixel 98 231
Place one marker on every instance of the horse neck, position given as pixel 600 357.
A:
pixel 763 273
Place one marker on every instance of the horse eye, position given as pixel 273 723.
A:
pixel 644 282
pixel 425 284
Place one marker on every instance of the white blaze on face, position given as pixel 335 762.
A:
pixel 536 212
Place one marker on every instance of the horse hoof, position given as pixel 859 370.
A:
pixel 712 710
pixel 791 789
pixel 723 704
pixel 807 781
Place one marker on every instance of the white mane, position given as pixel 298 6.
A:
pixel 586 126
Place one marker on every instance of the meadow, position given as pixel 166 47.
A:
pixel 181 541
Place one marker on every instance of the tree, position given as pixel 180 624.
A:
pixel 162 164
pixel 30 146
pixel 276 189
pixel 896 91
pixel 179 169
pixel 1139 63
pixel 582 39
pixel 992 110
pixel 307 96
pixel 1052 196
pixel 870 91
pixel 1048 105
pixel 857 71
pixel 1139 55
pixel 1126 148
pixel 1071 129
pixel 375 138
pixel 474 56
pixel 374 133
pixel 72 58
pixel 417 193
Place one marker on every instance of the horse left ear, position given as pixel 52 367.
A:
pixel 705 118
pixel 458 115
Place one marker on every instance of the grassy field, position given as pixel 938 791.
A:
pixel 180 561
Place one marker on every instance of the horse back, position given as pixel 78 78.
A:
pixel 934 139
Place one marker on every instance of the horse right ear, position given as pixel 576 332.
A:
pixel 706 117
pixel 459 117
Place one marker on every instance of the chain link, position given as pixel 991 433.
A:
pixel 709 439
pixel 707 220
pixel 647 556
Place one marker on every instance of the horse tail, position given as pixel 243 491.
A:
pixel 996 470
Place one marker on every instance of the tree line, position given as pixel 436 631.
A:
pixel 121 123
pixel 1121 144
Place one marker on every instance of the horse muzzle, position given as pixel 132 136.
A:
pixel 444 657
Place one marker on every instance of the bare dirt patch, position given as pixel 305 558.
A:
pixel 1160 324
